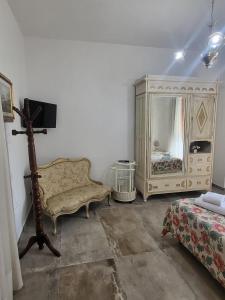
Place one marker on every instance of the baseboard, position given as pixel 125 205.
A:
pixel 24 221
pixel 218 187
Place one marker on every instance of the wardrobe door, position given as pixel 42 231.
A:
pixel 202 117
pixel 167 135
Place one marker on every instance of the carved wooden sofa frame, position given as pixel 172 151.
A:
pixel 65 179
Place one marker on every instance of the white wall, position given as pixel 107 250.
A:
pixel 12 64
pixel 92 84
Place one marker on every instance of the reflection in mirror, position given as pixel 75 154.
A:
pixel 167 134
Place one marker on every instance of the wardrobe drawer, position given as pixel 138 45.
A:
pixel 203 182
pixel 200 159
pixel 200 169
pixel 163 185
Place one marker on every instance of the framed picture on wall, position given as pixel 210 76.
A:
pixel 6 96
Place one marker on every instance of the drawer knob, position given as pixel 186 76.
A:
pixel 199 182
pixel 207 182
pixel 189 183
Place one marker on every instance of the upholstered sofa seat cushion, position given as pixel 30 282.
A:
pixel 74 198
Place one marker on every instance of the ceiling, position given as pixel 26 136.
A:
pixel 156 23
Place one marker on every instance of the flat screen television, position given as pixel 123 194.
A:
pixel 47 116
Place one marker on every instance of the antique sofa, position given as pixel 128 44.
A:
pixel 65 186
pixel 201 231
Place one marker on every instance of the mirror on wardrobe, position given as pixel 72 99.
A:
pixel 167 134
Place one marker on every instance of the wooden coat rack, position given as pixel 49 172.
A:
pixel 41 237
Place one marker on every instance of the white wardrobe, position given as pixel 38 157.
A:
pixel 175 132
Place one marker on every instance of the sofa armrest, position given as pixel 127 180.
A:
pixel 97 182
pixel 100 183
pixel 42 198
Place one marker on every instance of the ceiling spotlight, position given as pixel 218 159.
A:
pixel 179 55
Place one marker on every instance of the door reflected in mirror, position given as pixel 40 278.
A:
pixel 167 134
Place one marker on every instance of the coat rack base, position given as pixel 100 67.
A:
pixel 40 239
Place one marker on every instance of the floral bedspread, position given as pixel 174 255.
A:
pixel 201 231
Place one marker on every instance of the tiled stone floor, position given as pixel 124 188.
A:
pixel 116 254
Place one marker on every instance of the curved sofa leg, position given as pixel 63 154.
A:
pixel 54 223
pixel 87 210
pixel 109 198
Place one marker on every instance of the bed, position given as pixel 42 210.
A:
pixel 163 162
pixel 201 231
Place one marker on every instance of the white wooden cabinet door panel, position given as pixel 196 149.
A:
pixel 140 148
pixel 202 117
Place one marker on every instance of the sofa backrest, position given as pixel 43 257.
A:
pixel 62 175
